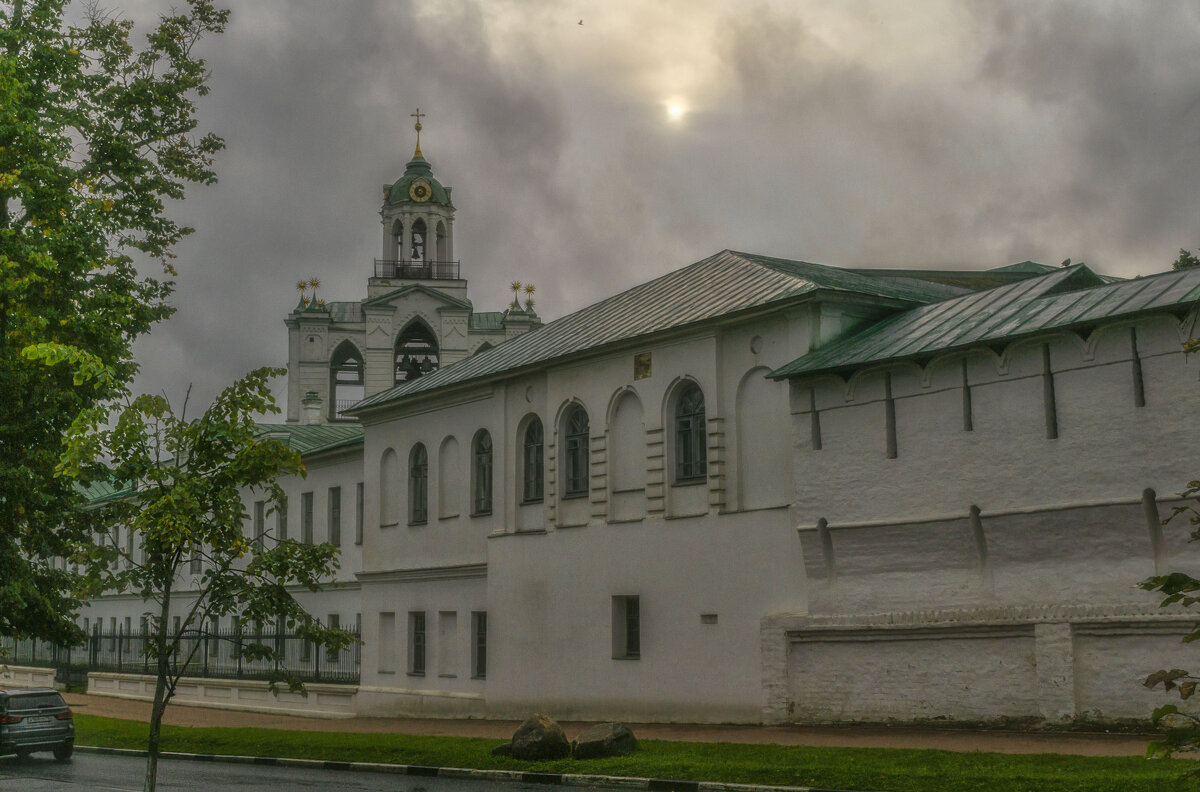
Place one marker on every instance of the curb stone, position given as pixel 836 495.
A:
pixel 518 776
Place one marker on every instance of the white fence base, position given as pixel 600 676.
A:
pixel 25 676
pixel 322 700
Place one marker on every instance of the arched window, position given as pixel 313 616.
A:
pixel 481 473
pixel 417 252
pixel 418 484
pixel 416 352
pixel 533 468
pixel 345 378
pixel 691 458
pixel 576 473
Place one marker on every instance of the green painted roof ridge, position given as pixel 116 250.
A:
pixel 1055 287
pixel 418 287
pixel 610 310
pixel 313 438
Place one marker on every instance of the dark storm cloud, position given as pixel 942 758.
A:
pixel 871 134
pixel 1126 85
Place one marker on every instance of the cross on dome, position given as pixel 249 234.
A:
pixel 417 126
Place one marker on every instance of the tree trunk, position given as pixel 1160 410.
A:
pixel 161 693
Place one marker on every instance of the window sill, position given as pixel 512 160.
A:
pixel 416 523
pixel 447 676
pixel 574 495
pixel 534 502
pixel 388 525
pixel 391 671
pixel 690 482
pixel 487 513
pixel 627 657
pixel 415 674
pixel 453 516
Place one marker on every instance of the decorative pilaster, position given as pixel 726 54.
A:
pixel 598 467
pixel 716 463
pixel 655 472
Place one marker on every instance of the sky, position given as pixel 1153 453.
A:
pixel 586 158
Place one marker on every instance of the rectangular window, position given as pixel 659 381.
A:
pixel 214 643
pixel 175 626
pixel 129 548
pixel 195 564
pixel 281 520
pixel 358 513
pixel 387 642
pixel 416 643
pixel 87 623
pixel 126 648
pixel 447 654
pixel 145 625
pixel 627 627
pixel 335 516
pixel 479 644
pixel 306 518
pixel 260 523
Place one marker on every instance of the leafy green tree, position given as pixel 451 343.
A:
pixel 95 136
pixel 1186 260
pixel 1180 730
pixel 189 478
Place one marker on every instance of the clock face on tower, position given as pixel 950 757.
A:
pixel 419 191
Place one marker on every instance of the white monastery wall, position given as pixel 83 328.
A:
pixel 997 560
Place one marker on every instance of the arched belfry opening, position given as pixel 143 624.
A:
pixel 417 250
pixel 396 241
pixel 346 379
pixel 416 352
pixel 443 243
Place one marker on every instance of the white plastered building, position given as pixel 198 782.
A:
pixel 750 490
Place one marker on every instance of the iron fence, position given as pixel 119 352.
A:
pixel 215 654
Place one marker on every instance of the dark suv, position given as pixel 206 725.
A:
pixel 35 719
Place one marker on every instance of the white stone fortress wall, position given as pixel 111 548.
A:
pixel 989 571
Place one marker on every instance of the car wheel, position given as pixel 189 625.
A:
pixel 63 752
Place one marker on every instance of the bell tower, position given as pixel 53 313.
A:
pixel 418 224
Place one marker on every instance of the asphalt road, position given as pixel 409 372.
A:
pixel 40 773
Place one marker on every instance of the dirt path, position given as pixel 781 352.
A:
pixel 1083 744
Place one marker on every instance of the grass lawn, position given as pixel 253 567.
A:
pixel 892 770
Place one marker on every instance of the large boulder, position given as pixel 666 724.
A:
pixel 604 739
pixel 538 738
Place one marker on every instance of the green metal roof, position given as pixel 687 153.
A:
pixel 346 312
pixel 722 284
pixel 312 438
pixel 486 321
pixel 410 287
pixel 1067 297
pixel 103 491
pixel 418 168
